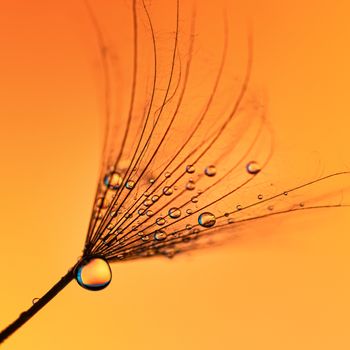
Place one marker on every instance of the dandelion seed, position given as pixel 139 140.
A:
pixel 156 146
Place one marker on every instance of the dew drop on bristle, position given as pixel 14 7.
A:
pixel 160 235
pixel 155 198
pixel 167 190
pixel 160 221
pixel 113 180
pixel 207 219
pixel 194 199
pixel 130 184
pixel 210 170
pixel 190 185
pixel 174 213
pixel 190 169
pixel 253 167
pixel 93 274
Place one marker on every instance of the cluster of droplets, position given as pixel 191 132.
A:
pixel 94 273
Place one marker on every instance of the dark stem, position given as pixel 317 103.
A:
pixel 40 303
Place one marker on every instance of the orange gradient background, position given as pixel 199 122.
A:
pixel 286 286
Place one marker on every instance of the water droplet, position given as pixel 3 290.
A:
pixel 93 274
pixel 149 212
pixel 253 167
pixel 285 193
pixel 160 235
pixel 238 207
pixel 270 207
pixel 188 226
pixel 260 196
pixel 160 221
pixel 167 191
pixel 194 199
pixel 167 174
pixel 190 185
pixel 189 211
pixel 190 169
pixel 174 213
pixel 128 215
pixel 130 184
pixel 151 181
pixel 210 170
pixel 301 204
pixel 141 211
pixel 35 300
pixel 155 198
pixel 207 219
pixel 147 203
pixel 230 221
pixel 113 180
pixel 145 238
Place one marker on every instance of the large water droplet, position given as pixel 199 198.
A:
pixel 93 274
pixel 253 167
pixel 207 219
pixel 160 235
pixel 174 213
pixel 210 170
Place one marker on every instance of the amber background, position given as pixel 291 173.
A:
pixel 285 287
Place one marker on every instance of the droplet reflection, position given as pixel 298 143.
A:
pixel 93 274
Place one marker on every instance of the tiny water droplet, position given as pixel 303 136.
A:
pixel 160 235
pixel 190 169
pixel 188 226
pixel 128 215
pixel 207 219
pixel 190 185
pixel 238 207
pixel 35 300
pixel 151 181
pixel 189 211
pixel 113 180
pixel 145 238
pixel 260 196
pixel 160 221
pixel 149 212
pixel 174 213
pixel 253 167
pixel 155 198
pixel 302 204
pixel 167 191
pixel 194 199
pixel 141 211
pixel 147 203
pixel 167 174
pixel 270 207
pixel 93 274
pixel 210 170
pixel 130 184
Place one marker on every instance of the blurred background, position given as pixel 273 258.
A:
pixel 283 285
